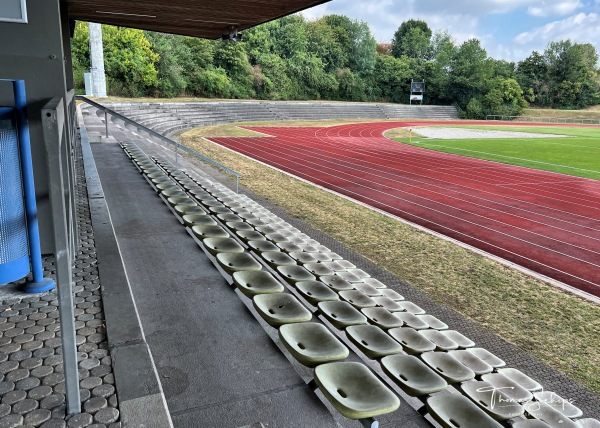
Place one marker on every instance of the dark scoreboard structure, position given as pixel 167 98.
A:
pixel 417 89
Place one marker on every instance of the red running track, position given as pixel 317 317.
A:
pixel 544 221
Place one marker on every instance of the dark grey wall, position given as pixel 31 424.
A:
pixel 35 52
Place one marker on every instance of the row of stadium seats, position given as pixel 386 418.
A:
pixel 323 307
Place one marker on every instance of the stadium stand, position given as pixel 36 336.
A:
pixel 325 309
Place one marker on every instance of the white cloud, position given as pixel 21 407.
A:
pixel 553 8
pixel 581 28
pixel 464 19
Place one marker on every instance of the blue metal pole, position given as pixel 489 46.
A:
pixel 39 283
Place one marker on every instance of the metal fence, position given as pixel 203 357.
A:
pixel 178 147
pixel 548 119
pixel 58 120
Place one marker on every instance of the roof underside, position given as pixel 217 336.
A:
pixel 199 18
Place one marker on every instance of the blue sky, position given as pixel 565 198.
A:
pixel 508 29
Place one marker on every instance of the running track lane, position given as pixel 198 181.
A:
pixel 547 222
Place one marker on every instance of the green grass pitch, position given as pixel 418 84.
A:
pixel 578 153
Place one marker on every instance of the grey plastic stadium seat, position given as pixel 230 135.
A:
pixel 341 314
pixel 318 269
pixel 294 274
pixel 218 209
pixel 389 304
pixel 433 322
pixel 357 299
pixel 411 307
pixel 520 378
pixel 348 276
pixel 447 366
pixel 334 266
pixel 441 341
pixel 390 294
pixel 548 415
pixel 250 235
pixel 315 292
pixel 230 218
pixel 197 220
pixel 472 361
pixel 494 402
pixel 181 200
pixel 173 193
pixel 354 390
pixel 559 404
pixel 167 185
pixel 277 258
pixel 222 245
pixel 202 231
pixel 367 289
pixel 457 411
pixel 280 308
pixel 183 209
pixel 312 344
pixel 346 264
pixel 382 318
pixel 412 341
pixel 275 237
pixel 262 246
pixel 321 257
pixel 488 357
pixel 461 340
pixel 239 225
pixel 290 247
pixel 373 341
pixel 233 262
pixel 530 423
pixel 333 256
pixel 266 229
pixel 251 283
pixel 413 376
pixel 359 273
pixel 336 283
pixel 411 320
pixel 516 392
pixel 303 257
pixel 374 283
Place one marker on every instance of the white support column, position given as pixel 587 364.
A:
pixel 97 60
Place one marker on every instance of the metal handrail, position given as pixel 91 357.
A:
pixel 153 133
pixel 544 119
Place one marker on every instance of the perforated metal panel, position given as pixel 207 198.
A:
pixel 13 227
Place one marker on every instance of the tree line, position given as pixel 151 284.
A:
pixel 337 58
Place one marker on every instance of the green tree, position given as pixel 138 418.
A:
pixel 129 61
pixel 391 79
pixel 412 39
pixel 172 79
pixel 358 44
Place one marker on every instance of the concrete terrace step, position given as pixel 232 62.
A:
pixel 167 118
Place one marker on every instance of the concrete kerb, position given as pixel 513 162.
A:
pixel 142 401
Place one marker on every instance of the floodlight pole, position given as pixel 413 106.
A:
pixel 97 59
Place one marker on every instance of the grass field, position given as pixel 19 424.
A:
pixel 557 327
pixel 578 153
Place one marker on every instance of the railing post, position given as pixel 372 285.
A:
pixel 106 122
pixel 53 121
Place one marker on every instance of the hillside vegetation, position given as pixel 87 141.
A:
pixel 336 58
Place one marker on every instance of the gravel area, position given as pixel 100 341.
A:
pixel 32 387
pixel 463 133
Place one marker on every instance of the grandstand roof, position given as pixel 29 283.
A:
pixel 200 18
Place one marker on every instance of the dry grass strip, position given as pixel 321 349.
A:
pixel 555 326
